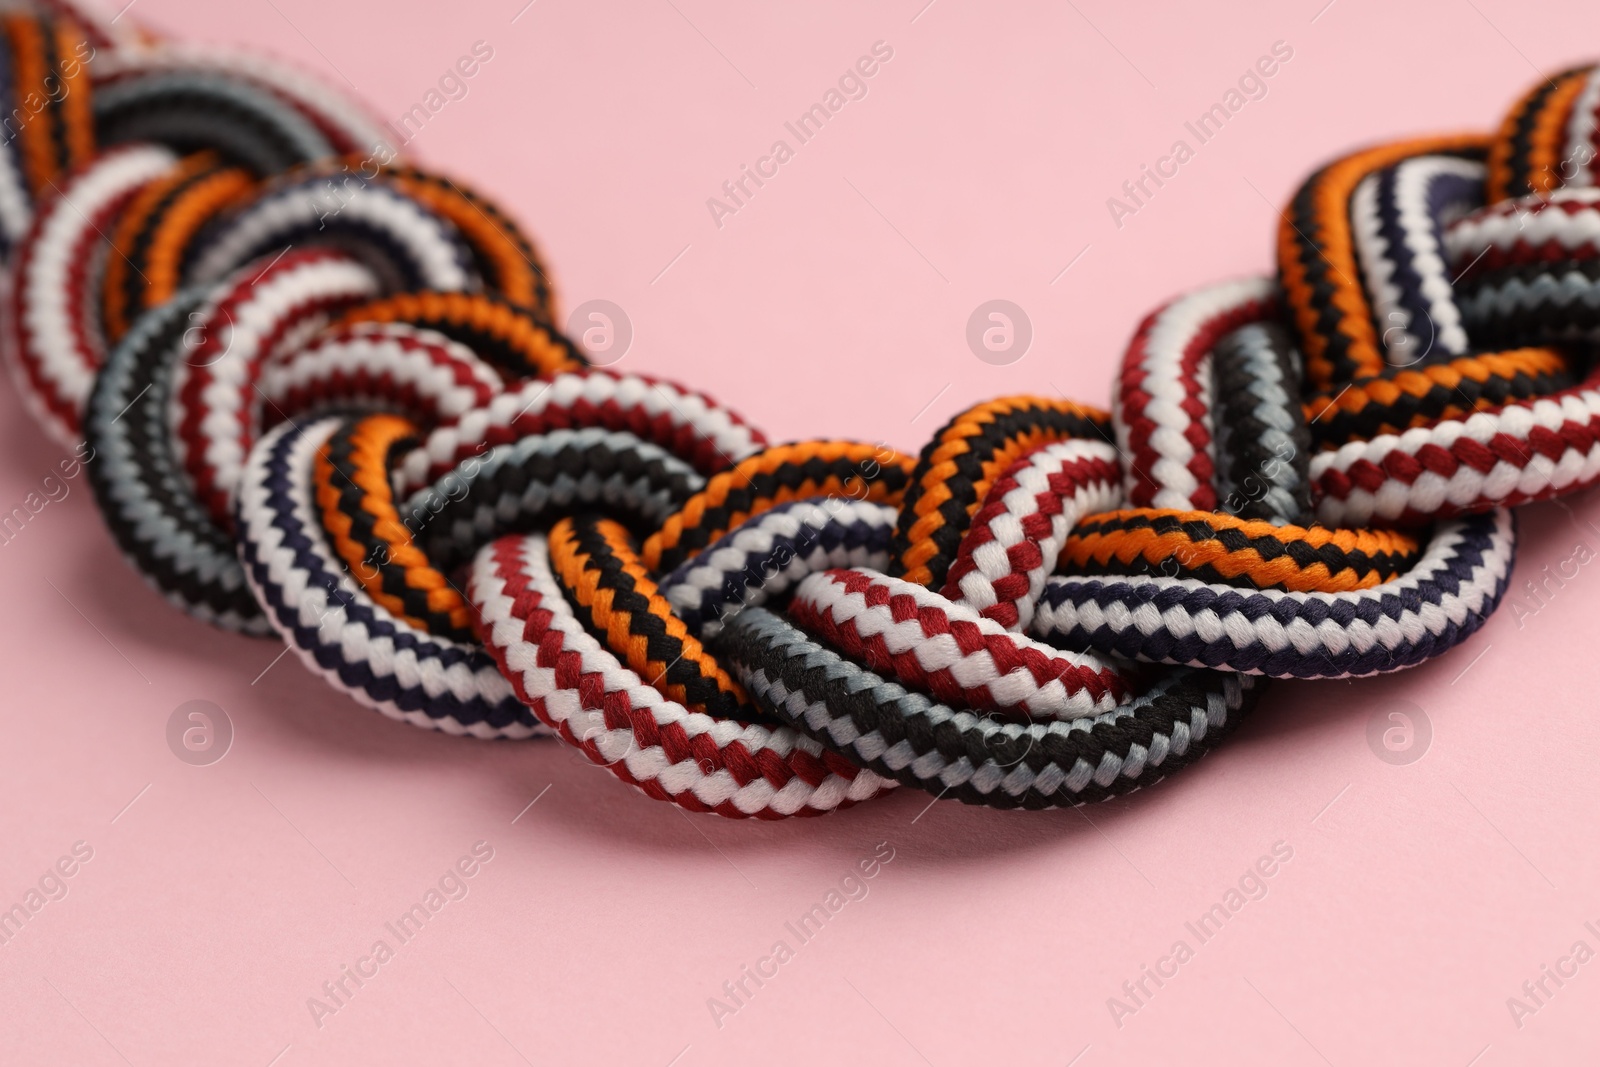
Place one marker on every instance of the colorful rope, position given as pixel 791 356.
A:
pixel 959 754
pixel 322 394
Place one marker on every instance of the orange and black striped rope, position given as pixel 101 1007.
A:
pixel 1318 266
pixel 145 266
pixel 53 123
pixel 366 531
pixel 773 476
pixel 502 253
pixel 615 598
pixel 513 339
pixel 1402 397
pixel 1214 547
pixel 957 467
pixel 1526 157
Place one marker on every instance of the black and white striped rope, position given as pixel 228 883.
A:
pixel 156 519
pixel 976 758
pixel 536 479
pixel 1262 439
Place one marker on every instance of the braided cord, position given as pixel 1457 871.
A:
pixel 359 514
pixel 594 702
pixel 1263 438
pixel 326 397
pixel 1398 398
pixel 1212 547
pixel 506 335
pixel 956 468
pixel 1317 263
pixel 504 256
pixel 1524 156
pixel 1016 537
pixel 906 736
pixel 773 476
pixel 612 594
pixel 771 552
pixel 147 246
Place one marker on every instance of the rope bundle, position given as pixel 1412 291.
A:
pixel 325 399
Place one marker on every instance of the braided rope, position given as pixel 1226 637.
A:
pixel 144 265
pixel 1264 441
pixel 404 240
pixel 578 687
pixel 1163 397
pixel 518 485
pixel 690 425
pixel 1017 536
pixel 950 650
pixel 508 336
pixel 1318 266
pixel 1436 605
pixel 975 759
pixel 225 376
pixel 773 476
pixel 1212 547
pixel 318 382
pixel 159 527
pixel 57 348
pixel 955 470
pixel 1529 266
pixel 612 593
pixel 340 632
pixel 1398 216
pixel 771 552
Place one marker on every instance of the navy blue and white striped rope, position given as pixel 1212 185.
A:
pixel 1398 216
pixel 335 627
pixel 403 241
pixel 1441 602
pixel 770 553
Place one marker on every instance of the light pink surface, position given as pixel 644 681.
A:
pixel 1418 899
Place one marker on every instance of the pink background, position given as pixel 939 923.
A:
pixel 1418 899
